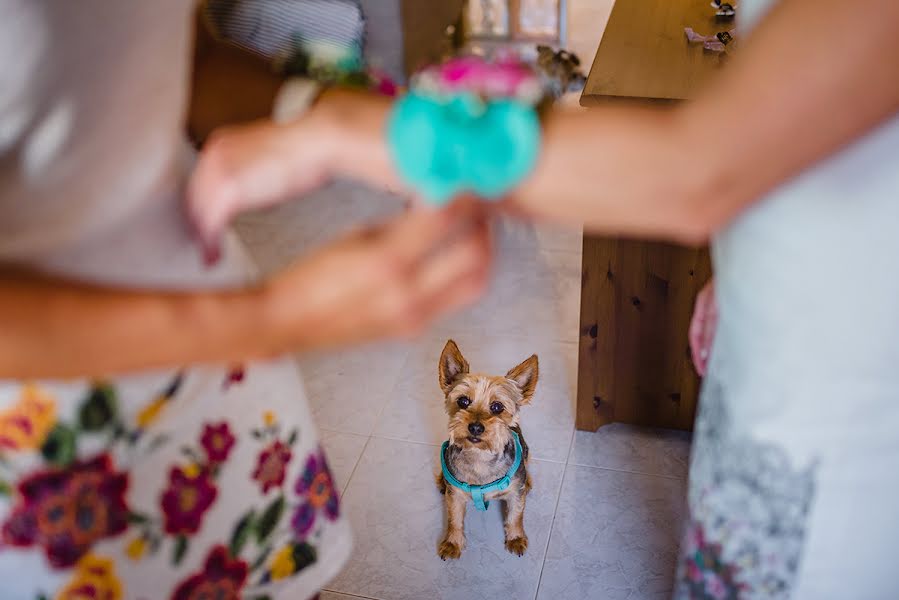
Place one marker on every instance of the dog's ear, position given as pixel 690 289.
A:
pixel 525 377
pixel 452 366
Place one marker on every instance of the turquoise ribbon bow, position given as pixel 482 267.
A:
pixel 479 491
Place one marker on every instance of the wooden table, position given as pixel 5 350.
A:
pixel 637 297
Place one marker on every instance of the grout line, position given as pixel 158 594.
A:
pixel 346 486
pixel 337 431
pixel 387 400
pixel 629 472
pixel 396 439
pixel 552 522
pixel 348 595
pixel 571 445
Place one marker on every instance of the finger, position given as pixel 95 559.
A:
pixel 696 335
pixel 415 235
pixel 468 289
pixel 210 194
pixel 462 256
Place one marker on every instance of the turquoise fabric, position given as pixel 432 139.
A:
pixel 479 491
pixel 462 144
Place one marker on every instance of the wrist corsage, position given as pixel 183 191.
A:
pixel 467 126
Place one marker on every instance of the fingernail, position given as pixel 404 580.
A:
pixel 211 249
pixel 212 253
pixel 704 353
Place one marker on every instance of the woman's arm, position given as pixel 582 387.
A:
pixel 381 282
pixel 815 75
pixel 54 328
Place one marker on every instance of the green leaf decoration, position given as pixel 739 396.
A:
pixel 303 556
pixel 260 560
pixel 294 435
pixel 137 518
pixel 241 533
pixel 192 454
pixel 59 449
pixel 180 550
pixel 5 489
pixel 157 442
pixel 269 519
pixel 99 409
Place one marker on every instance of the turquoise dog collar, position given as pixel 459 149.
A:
pixel 479 491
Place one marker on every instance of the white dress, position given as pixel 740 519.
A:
pixel 794 482
pixel 169 484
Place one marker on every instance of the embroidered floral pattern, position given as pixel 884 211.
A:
pixel 234 376
pixel 271 466
pixel 94 579
pixel 222 578
pixel 25 425
pixel 290 560
pixel 186 499
pixel 317 485
pixel 73 503
pixel 217 442
pixel 67 510
pixel 748 509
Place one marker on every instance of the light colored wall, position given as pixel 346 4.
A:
pixel 586 21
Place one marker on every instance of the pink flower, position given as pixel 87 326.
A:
pixel 506 78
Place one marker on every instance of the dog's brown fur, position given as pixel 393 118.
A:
pixel 494 403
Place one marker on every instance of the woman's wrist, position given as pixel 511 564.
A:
pixel 353 126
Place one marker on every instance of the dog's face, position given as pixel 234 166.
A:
pixel 482 408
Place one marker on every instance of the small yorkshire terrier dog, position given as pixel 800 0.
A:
pixel 486 456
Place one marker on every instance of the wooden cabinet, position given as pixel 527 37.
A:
pixel 637 297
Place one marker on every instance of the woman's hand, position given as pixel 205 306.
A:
pixel 703 326
pixel 250 166
pixel 386 281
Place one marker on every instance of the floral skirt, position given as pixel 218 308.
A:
pixel 199 484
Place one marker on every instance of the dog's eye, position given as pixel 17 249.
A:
pixel 463 402
pixel 496 407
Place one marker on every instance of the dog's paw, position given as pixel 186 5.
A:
pixel 517 545
pixel 448 549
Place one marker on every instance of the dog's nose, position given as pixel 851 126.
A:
pixel 476 428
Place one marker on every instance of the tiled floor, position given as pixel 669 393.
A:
pixel 603 517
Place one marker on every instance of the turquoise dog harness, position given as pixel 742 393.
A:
pixel 479 491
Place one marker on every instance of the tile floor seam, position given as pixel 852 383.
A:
pixel 675 477
pixel 377 420
pixel 552 523
pixel 350 595
pixel 346 485
pixel 337 431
